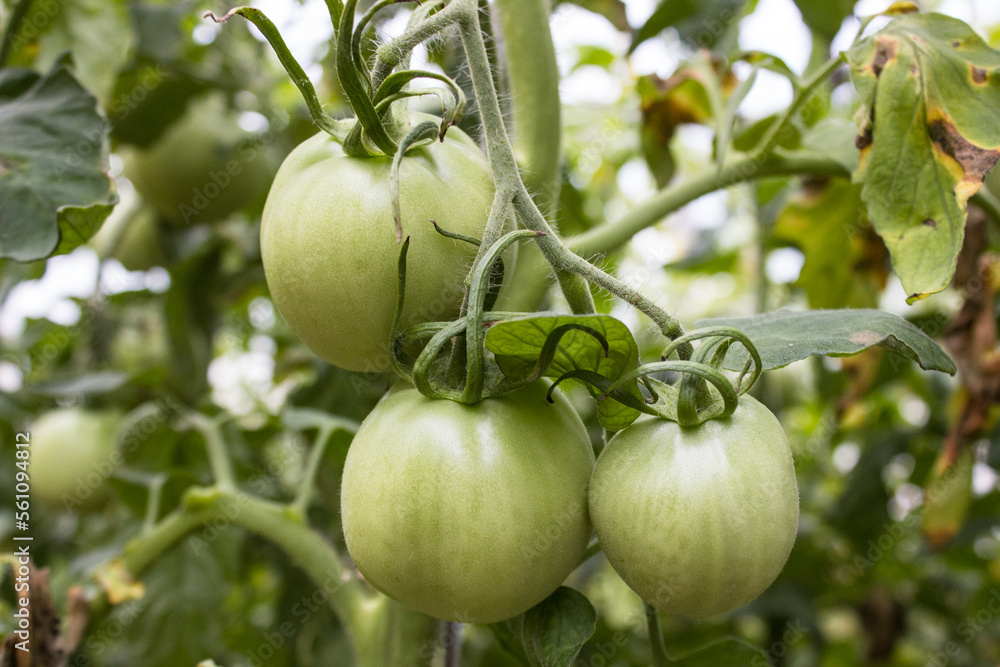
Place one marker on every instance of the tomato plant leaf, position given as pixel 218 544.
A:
pixel 612 10
pixel 929 133
pixel 692 94
pixel 785 336
pixel 98 35
pixel 551 633
pixel 700 23
pixel 725 652
pixel 53 163
pixel 825 17
pixel 947 498
pixel 556 628
pixel 518 344
pixel 844 259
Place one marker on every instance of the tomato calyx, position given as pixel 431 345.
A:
pixel 377 131
pixel 692 401
pixel 461 375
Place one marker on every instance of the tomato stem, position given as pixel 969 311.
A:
pixel 278 523
pixel 534 85
pixel 17 16
pixel 337 129
pixel 393 53
pixel 308 484
pixel 218 455
pixel 659 650
pixel 453 644
pixel 572 271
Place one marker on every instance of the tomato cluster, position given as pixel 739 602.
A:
pixel 476 513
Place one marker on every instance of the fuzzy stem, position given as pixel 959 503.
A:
pixel 802 95
pixel 609 236
pixel 502 160
pixel 391 54
pixel 534 87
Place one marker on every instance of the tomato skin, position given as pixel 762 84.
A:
pixel 329 247
pixel 72 453
pixel 203 168
pixel 468 513
pixel 697 521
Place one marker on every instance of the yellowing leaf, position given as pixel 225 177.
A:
pixel 685 97
pixel 844 260
pixel 929 133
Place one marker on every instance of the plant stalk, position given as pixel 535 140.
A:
pixel 17 16
pixel 660 658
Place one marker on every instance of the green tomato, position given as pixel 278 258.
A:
pixel 140 341
pixel 468 513
pixel 72 453
pixel 701 520
pixel 203 168
pixel 329 247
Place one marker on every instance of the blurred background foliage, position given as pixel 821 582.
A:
pixel 158 312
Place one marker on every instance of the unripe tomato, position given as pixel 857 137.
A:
pixel 468 513
pixel 203 168
pixel 701 520
pixel 72 453
pixel 329 247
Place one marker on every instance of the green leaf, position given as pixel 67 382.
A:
pixel 785 336
pixel 612 10
pixel 551 633
pixel 825 17
pixel 929 133
pixel 517 345
pixel 832 138
pixel 725 652
pixel 692 94
pixel 53 160
pixel 700 23
pixel 92 384
pixel 98 34
pixel 556 629
pixel 844 260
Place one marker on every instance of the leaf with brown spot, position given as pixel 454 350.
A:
pixel 684 97
pixel 929 132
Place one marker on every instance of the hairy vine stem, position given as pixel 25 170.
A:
pixel 611 235
pixel 572 271
pixel 392 53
